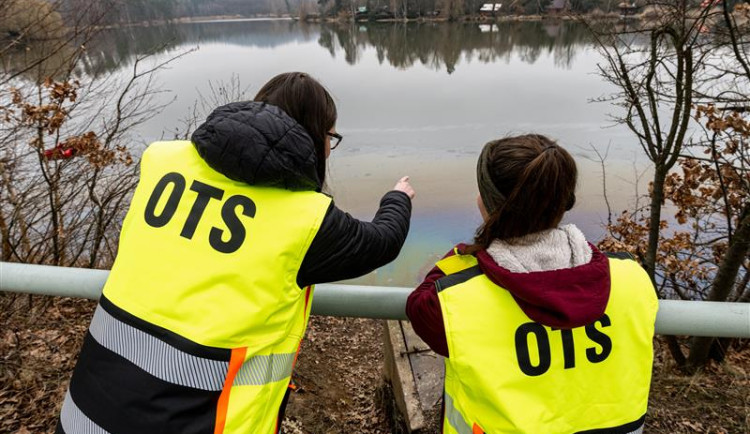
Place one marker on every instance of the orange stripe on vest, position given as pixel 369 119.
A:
pixel 235 363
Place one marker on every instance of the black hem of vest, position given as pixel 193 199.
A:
pixel 622 429
pixel 282 409
pixel 619 255
pixel 180 342
pixel 456 278
pixel 121 398
pixel 59 429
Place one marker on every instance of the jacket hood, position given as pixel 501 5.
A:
pixel 564 298
pixel 258 144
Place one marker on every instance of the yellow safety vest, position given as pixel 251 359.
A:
pixel 509 374
pixel 212 262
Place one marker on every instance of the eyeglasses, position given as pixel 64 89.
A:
pixel 335 136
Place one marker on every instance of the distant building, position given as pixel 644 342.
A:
pixel 379 13
pixel 558 7
pixel 627 9
pixel 490 9
pixel 361 14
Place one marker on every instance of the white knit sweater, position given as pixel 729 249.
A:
pixel 553 249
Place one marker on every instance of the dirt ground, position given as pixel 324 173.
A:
pixel 338 376
pixel 338 379
pixel 715 401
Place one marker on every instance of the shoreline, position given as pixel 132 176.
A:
pixel 612 16
pixel 469 19
pixel 201 19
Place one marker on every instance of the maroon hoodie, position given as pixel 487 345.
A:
pixel 565 298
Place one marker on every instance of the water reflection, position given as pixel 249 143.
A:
pixel 37 60
pixel 440 46
pixel 117 47
pixel 444 45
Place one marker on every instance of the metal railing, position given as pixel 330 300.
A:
pixel 675 317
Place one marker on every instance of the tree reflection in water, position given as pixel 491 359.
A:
pixel 444 45
pixel 441 46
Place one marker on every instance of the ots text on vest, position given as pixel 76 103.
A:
pixel 205 193
pixel 568 346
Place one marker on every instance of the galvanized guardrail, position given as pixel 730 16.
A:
pixel 675 317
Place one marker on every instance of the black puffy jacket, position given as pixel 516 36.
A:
pixel 259 144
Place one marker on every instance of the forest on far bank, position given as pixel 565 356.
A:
pixel 135 11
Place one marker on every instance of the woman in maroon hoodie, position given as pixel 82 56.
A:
pixel 542 332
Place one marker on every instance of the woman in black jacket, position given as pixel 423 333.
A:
pixel 344 247
pixel 201 318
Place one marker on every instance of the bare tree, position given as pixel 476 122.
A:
pixel 67 165
pixel 67 171
pixel 65 141
pixel 219 93
pixel 653 69
pixel 674 62
pixel 731 165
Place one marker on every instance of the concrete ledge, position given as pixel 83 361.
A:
pixel 398 372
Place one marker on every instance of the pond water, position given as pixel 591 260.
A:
pixel 414 99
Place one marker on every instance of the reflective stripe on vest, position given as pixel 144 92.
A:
pixel 507 373
pixel 156 357
pixel 261 370
pixel 454 417
pixel 170 364
pixel 74 421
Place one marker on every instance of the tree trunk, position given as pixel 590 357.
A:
pixel 745 298
pixel 5 249
pixel 720 349
pixel 723 283
pixel 674 349
pixel 657 200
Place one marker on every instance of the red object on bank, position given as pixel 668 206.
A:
pixel 59 153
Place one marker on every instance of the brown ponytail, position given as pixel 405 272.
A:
pixel 526 183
